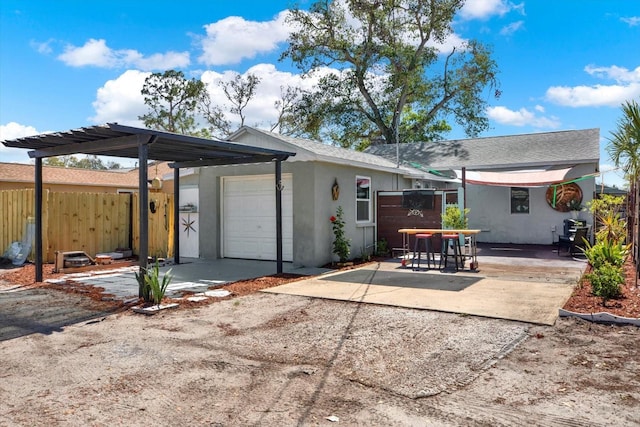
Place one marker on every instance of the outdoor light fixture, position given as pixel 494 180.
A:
pixel 335 190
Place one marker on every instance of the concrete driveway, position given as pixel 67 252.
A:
pixel 524 283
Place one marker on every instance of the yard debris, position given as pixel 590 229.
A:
pixel 333 418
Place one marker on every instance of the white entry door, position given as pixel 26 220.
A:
pixel 189 223
pixel 249 217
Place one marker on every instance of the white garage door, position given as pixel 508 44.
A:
pixel 249 217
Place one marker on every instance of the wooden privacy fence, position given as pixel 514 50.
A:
pixel 89 222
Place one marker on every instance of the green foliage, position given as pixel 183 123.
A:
pixel 341 245
pixel 174 101
pixel 606 252
pixel 624 144
pixel 87 162
pixel 610 225
pixel 453 218
pixel 154 286
pixel 606 281
pixel 606 204
pixel 382 247
pixel 239 92
pixel 392 83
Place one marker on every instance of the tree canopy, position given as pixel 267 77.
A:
pixel 176 104
pixel 392 81
pixel 88 162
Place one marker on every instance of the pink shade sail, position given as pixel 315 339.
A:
pixel 517 179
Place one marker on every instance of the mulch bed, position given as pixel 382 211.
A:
pixel 627 305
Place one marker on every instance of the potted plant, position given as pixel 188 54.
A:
pixel 454 219
pixel 575 207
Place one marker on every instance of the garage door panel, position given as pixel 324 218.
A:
pixel 249 217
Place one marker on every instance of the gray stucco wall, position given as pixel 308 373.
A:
pixel 490 211
pixel 312 207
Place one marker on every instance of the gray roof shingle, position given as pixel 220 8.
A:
pixel 512 151
pixel 333 154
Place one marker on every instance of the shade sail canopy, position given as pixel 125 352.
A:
pixel 516 179
pixel 117 140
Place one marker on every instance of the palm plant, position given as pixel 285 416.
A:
pixel 624 147
pixel 624 150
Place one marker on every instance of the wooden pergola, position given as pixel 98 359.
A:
pixel 182 151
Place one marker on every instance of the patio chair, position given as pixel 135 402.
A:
pixel 574 242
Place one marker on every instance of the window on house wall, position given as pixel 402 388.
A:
pixel 363 199
pixel 519 200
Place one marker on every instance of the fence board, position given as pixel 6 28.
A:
pixel 91 222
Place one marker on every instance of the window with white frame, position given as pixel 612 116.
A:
pixel 363 199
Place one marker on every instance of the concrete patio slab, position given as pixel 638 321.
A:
pixel 532 302
pixel 522 283
pixel 192 274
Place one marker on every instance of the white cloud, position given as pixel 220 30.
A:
pixel 482 9
pixel 120 100
pixel 13 130
pixel 619 74
pixel 42 47
pixel 96 53
pixel 627 87
pixel 631 20
pixel 511 28
pixel 522 117
pixel 233 39
pixel 539 108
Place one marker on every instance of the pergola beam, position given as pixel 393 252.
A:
pixel 225 161
pixel 89 147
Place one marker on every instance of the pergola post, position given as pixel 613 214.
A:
pixel 38 224
pixel 143 249
pixel 279 189
pixel 176 215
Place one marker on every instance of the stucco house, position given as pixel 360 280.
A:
pixel 511 181
pixel 237 204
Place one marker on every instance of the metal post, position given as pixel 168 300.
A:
pixel 38 225
pixel 176 215
pixel 279 215
pixel 143 250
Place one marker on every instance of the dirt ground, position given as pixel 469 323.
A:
pixel 267 359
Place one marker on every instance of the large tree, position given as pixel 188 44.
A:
pixel 176 103
pixel 239 91
pixel 392 76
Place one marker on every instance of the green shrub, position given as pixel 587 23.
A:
pixel 382 247
pixel 154 287
pixel 606 251
pixel 341 245
pixel 606 281
pixel 453 219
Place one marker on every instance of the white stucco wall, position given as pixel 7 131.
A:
pixel 312 207
pixel 490 211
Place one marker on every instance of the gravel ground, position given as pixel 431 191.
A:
pixel 266 359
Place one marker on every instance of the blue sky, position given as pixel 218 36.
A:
pixel 66 64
